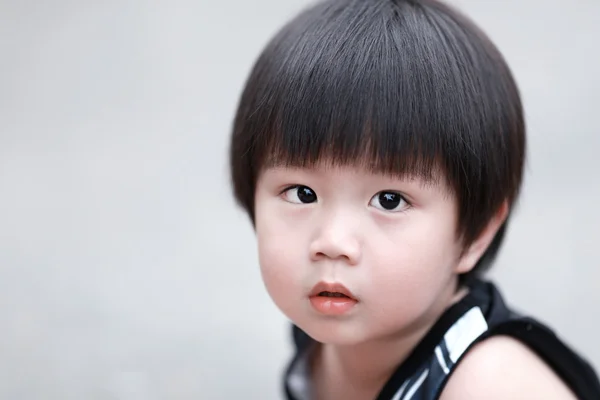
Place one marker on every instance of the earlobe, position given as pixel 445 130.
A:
pixel 474 252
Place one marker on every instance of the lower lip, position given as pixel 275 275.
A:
pixel 332 305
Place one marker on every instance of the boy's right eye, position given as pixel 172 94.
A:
pixel 299 194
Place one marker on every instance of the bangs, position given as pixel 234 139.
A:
pixel 393 100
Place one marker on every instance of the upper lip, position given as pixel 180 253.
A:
pixel 332 288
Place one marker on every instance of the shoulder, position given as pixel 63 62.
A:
pixel 503 368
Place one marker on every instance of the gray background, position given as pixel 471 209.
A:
pixel 126 272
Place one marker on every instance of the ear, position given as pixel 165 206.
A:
pixel 473 253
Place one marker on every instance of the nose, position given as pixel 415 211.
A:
pixel 337 239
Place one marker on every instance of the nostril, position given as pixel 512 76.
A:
pixel 341 250
pixel 323 256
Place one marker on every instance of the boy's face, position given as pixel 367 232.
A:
pixel 390 242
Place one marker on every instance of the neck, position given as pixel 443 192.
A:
pixel 361 370
pixel 364 368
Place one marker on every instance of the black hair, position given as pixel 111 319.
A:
pixel 401 86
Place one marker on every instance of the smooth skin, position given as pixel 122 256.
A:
pixel 393 242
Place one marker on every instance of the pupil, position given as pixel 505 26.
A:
pixel 306 195
pixel 388 200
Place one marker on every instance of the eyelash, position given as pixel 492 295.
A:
pixel 402 197
pixel 404 209
pixel 289 188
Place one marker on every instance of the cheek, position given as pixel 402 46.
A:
pixel 414 266
pixel 277 257
pixel 280 258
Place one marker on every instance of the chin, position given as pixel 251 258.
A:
pixel 338 333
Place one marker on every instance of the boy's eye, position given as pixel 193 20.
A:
pixel 389 201
pixel 300 195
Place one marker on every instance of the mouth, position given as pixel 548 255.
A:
pixel 333 290
pixel 332 299
pixel 332 294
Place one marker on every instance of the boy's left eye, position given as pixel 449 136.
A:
pixel 389 201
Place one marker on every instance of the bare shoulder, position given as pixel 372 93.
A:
pixel 503 368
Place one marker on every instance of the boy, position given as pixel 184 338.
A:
pixel 378 149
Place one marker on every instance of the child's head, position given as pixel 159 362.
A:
pixel 378 144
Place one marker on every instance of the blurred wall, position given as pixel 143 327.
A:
pixel 126 272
